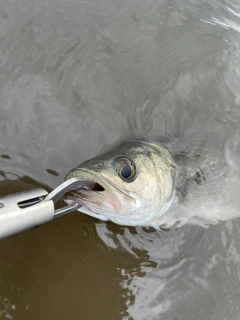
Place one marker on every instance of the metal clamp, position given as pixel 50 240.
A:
pixel 17 213
pixel 25 210
pixel 62 189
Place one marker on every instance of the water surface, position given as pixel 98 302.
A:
pixel 76 76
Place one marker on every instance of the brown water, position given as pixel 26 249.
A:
pixel 76 76
pixel 59 271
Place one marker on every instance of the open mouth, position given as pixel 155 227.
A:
pixel 96 183
pixel 97 187
pixel 89 192
pixel 94 199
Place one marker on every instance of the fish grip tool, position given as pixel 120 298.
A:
pixel 28 209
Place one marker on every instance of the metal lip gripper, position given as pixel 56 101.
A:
pixel 25 210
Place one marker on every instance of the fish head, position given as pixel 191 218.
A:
pixel 134 182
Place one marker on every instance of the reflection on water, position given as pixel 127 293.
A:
pixel 189 271
pixel 76 76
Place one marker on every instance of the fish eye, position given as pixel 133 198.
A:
pixel 125 169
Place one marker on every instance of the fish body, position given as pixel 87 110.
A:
pixel 143 183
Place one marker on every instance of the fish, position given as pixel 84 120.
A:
pixel 153 184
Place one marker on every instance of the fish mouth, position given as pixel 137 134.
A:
pixel 100 200
pixel 97 187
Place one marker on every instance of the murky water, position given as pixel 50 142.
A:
pixel 76 76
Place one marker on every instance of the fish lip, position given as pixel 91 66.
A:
pixel 88 174
pixel 106 184
pixel 114 194
pixel 95 178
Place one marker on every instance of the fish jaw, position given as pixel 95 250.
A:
pixel 109 203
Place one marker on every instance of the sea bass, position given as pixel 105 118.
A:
pixel 141 183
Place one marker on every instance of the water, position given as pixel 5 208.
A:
pixel 76 76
